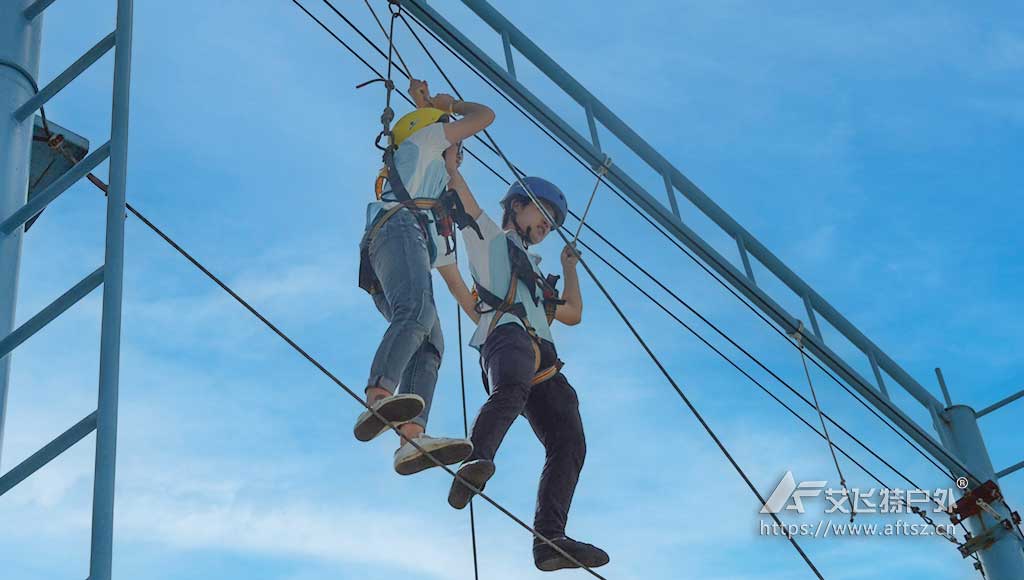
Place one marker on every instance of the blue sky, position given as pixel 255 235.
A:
pixel 874 148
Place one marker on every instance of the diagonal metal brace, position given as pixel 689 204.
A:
pixel 52 311
pixel 47 452
pixel 42 199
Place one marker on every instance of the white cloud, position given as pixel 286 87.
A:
pixel 335 534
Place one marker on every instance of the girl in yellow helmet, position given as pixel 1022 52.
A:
pixel 398 250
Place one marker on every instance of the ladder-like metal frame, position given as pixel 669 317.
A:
pixel 111 274
pixel 960 447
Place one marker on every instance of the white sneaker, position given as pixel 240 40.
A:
pixel 409 460
pixel 396 409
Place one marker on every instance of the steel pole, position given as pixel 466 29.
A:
pixel 101 557
pixel 1003 560
pixel 20 39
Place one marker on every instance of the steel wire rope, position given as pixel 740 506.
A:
pixel 646 218
pixel 465 419
pixel 295 346
pixel 617 193
pixel 774 397
pixel 334 379
pixel 383 54
pixel 323 369
pixel 629 324
pixel 373 69
pixel 408 71
pixel 458 310
pixel 102 186
pixel 821 417
pixel 599 173
pixel 633 330
pixel 664 371
pixel 726 336
pixel 768 391
pixel 305 354
pixel 703 266
pixel 330 375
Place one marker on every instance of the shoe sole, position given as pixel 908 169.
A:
pixel 554 564
pixel 447 455
pixel 397 411
pixel 560 562
pixel 477 475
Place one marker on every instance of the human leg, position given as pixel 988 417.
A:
pixel 509 361
pixel 553 412
pixel 400 260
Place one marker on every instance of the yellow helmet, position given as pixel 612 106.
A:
pixel 416 120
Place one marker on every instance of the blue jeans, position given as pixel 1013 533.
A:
pixel 410 352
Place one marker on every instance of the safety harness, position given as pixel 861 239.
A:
pixel 447 212
pixel 447 209
pixel 522 270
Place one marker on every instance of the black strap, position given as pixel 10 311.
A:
pixel 452 205
pixel 522 268
pixel 552 300
pixel 394 179
pixel 497 304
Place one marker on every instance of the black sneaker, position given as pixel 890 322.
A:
pixel 548 559
pixel 476 472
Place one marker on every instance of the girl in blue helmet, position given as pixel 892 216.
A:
pixel 521 370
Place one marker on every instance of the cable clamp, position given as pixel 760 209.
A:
pixel 975 501
pixel 386 117
pixel 55 142
pixel 389 84
pixel 798 334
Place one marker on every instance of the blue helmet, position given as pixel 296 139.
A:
pixel 544 190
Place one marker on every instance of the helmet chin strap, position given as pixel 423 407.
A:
pixel 524 236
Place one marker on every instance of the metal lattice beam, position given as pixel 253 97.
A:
pixel 669 219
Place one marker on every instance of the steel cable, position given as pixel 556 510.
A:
pixel 323 369
pixel 696 260
pixel 629 324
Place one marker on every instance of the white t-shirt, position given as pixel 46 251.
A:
pixel 420 163
pixel 491 268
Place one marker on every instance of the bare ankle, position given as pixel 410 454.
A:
pixel 374 394
pixel 410 431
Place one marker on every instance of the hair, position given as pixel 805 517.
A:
pixel 506 205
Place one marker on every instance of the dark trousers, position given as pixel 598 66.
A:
pixel 551 407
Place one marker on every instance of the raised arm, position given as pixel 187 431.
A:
pixel 457 183
pixel 457 286
pixel 475 117
pixel 570 313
